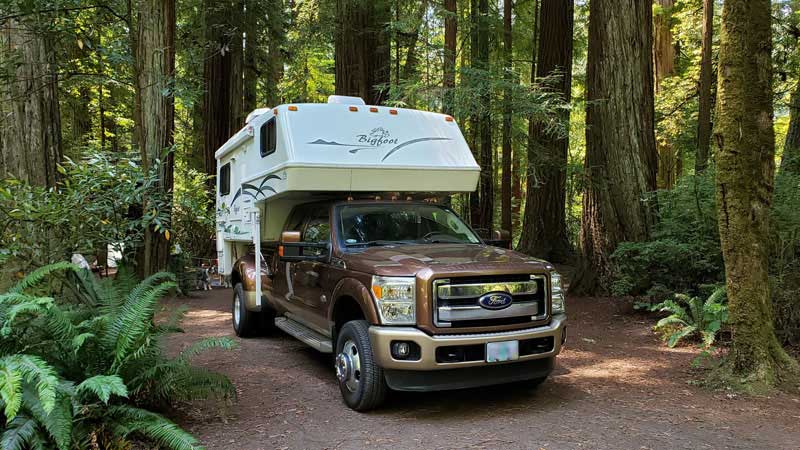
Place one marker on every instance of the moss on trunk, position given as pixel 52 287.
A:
pixel 745 168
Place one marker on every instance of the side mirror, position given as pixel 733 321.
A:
pixel 500 238
pixel 292 249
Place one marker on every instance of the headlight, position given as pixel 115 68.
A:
pixel 396 299
pixel 557 294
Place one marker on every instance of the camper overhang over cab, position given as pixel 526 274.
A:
pixel 293 153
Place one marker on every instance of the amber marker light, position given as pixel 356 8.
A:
pixel 393 112
pixel 280 250
pixel 354 108
pixel 292 108
pixel 275 111
pixel 448 118
pixel 377 290
pixel 373 109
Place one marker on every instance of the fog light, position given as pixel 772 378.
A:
pixel 405 350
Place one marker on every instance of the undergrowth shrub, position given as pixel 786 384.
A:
pixel 692 318
pixel 85 369
pixel 684 253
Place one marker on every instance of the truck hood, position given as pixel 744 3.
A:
pixel 410 260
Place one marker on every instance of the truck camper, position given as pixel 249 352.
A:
pixel 324 203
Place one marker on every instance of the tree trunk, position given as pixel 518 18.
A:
pixel 621 158
pixel 486 203
pixel 664 66
pixel 154 68
pixel 505 186
pixel 520 160
pixel 30 130
pixel 790 160
pixel 411 55
pixel 276 32
pixel 450 42
pixel 223 113
pixel 663 46
pixel 362 49
pixel 706 84
pixel 745 168
pixel 253 55
pixel 544 232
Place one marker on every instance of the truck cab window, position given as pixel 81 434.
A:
pixel 317 230
pixel 268 138
pixel 225 179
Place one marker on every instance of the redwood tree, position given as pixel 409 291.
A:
pixel 505 185
pixel 544 230
pixel 155 113
pixel 362 49
pixel 790 160
pixel 745 168
pixel 669 160
pixel 450 41
pixel 706 84
pixel 621 159
pixel 30 130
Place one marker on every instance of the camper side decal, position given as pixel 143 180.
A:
pixel 246 189
pixel 377 139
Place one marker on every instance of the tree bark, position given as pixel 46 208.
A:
pixel 544 232
pixel 30 146
pixel 411 55
pixel 663 46
pixel 790 160
pixel 276 33
pixel 450 42
pixel 706 84
pixel 486 202
pixel 223 112
pixel 664 66
pixel 621 158
pixel 507 153
pixel 745 168
pixel 362 49
pixel 154 69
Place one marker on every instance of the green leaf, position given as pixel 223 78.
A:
pixel 20 432
pixel 103 386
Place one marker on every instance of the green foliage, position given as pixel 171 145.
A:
pixel 684 253
pixel 97 203
pixel 692 317
pixel 87 365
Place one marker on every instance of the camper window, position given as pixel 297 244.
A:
pixel 268 138
pixel 225 179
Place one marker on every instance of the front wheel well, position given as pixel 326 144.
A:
pixel 345 310
pixel 236 278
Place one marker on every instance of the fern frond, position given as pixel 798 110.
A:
pixel 57 422
pixel 153 426
pixel 103 386
pixel 677 336
pixel 33 306
pixel 39 275
pixel 670 320
pixel 204 345
pixel 19 434
pixel 31 369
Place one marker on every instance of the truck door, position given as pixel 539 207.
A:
pixel 310 278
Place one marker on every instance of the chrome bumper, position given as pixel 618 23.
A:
pixel 382 337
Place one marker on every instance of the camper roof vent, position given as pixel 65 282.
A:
pixel 345 100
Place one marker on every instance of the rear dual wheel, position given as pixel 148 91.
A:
pixel 249 323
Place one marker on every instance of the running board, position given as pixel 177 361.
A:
pixel 305 334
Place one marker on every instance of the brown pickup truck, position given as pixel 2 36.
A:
pixel 406 296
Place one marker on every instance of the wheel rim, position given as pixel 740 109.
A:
pixel 237 304
pixel 348 366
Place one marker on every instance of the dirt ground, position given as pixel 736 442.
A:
pixel 615 387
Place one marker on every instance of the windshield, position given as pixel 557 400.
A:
pixel 395 224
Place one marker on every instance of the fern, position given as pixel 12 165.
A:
pixel 19 434
pixel 103 386
pixel 20 369
pixel 57 420
pixel 693 317
pixel 153 426
pixel 39 275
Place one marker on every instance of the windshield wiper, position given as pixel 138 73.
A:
pixel 376 243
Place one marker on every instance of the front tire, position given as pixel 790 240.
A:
pixel 245 323
pixel 361 379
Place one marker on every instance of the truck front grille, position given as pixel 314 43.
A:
pixel 456 300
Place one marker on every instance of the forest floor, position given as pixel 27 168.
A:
pixel 615 387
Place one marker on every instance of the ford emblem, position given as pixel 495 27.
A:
pixel 495 300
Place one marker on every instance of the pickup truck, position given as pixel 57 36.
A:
pixel 406 296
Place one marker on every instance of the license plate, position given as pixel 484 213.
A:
pixel 502 351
